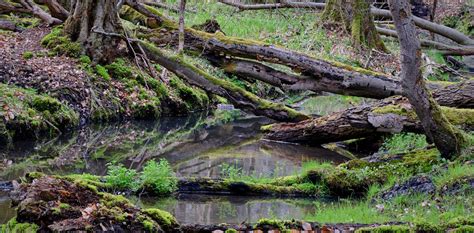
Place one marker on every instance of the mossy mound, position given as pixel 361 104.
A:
pixel 55 204
pixel 60 44
pixel 28 114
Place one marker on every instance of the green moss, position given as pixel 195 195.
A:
pixel 166 220
pixel 463 229
pixel 119 69
pixel 32 115
pixel 385 229
pixel 194 98
pixel 28 55
pixel 60 44
pixel 231 230
pixel 103 72
pixel 148 225
pixel 454 115
pixel 277 224
pixel 13 226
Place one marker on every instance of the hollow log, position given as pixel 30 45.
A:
pixel 390 115
pixel 236 95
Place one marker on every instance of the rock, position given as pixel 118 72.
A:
pixel 416 184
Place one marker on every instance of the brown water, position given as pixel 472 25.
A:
pixel 195 146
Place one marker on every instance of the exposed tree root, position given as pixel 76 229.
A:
pixel 389 115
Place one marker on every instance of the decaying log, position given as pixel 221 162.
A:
pixel 236 95
pixel 56 9
pixel 439 29
pixel 166 7
pixel 392 115
pixel 34 9
pixel 8 25
pixel 453 95
pixel 444 48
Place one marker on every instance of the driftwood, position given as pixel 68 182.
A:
pixel 390 115
pixel 439 29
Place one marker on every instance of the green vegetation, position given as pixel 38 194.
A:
pixel 26 113
pixel 28 55
pixel 103 72
pixel 403 143
pixel 122 178
pixel 159 177
pixel 13 226
pixel 60 44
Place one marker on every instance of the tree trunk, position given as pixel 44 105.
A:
pixel 390 115
pixel 95 24
pixel 182 8
pixel 355 17
pixel 363 31
pixel 447 139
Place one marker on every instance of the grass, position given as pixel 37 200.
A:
pixel 403 142
pixel 454 173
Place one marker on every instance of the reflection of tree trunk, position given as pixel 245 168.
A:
pixel 447 139
pixel 93 24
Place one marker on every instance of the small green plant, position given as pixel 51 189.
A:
pixel 404 142
pixel 122 178
pixel 159 176
pixel 102 71
pixel 28 55
pixel 231 171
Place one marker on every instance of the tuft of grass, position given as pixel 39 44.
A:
pixel 28 55
pixel 454 173
pixel 403 142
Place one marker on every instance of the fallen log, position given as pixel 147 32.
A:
pixel 453 95
pixel 30 7
pixel 9 26
pixel 390 115
pixel 326 75
pixel 439 29
pixel 444 48
pixel 236 95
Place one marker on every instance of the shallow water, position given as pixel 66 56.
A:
pixel 208 209
pixel 195 146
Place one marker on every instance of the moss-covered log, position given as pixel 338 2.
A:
pixel 318 74
pixel 389 115
pixel 446 94
pixel 236 95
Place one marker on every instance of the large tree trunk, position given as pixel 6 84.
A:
pixel 354 16
pixel 95 24
pixel 447 139
pixel 390 115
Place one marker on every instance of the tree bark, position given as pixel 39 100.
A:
pixel 447 139
pixel 182 8
pixel 363 30
pixel 390 115
pixel 56 9
pixel 95 24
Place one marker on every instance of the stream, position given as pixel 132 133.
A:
pixel 196 146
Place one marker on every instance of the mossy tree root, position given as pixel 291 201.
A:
pixel 390 115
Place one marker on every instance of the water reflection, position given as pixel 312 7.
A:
pixel 205 209
pixel 195 146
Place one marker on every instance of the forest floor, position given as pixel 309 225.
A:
pixel 405 185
